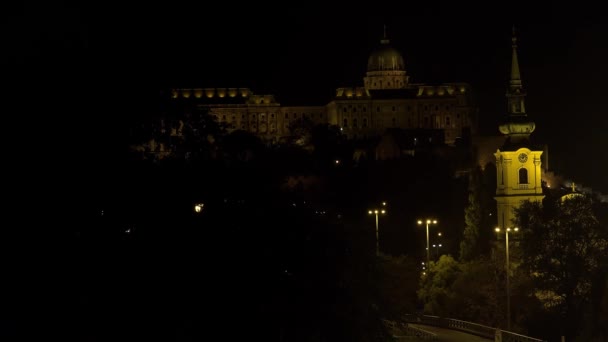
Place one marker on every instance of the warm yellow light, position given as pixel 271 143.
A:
pixel 198 207
pixel 370 212
pixel 439 234
pixel 516 229
pixel 419 222
pixel 383 211
pixel 434 221
pixel 497 229
pixel 383 203
pixel 508 229
pixel 428 221
pixel 375 211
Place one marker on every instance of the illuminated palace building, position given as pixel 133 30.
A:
pixel 386 100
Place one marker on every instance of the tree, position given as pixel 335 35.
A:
pixel 478 216
pixel 397 284
pixel 481 302
pixel 563 248
pixel 435 288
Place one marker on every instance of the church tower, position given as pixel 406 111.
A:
pixel 518 162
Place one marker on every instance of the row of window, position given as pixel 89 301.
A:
pixel 295 116
pixel 409 108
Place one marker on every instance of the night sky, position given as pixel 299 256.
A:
pixel 84 73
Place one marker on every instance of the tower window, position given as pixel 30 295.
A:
pixel 523 176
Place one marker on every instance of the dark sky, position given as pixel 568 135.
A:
pixel 96 66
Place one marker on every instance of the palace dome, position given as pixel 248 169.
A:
pixel 385 58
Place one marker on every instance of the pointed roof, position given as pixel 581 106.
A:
pixel 515 75
pixel 516 126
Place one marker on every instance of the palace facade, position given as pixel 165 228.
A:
pixel 387 99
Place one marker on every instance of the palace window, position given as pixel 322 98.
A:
pixel 345 123
pixel 523 176
pixel 355 122
pixel 286 115
pixel 394 122
pixel 364 123
pixel 447 121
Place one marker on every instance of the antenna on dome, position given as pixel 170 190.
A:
pixel 384 39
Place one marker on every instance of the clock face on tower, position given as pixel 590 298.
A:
pixel 523 157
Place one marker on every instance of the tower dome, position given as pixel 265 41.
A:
pixel 385 68
pixel 385 58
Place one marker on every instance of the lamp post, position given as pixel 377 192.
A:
pixel 437 246
pixel 376 212
pixel 428 221
pixel 507 266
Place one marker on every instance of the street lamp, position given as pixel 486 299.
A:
pixel 376 212
pixel 428 221
pixel 437 246
pixel 507 231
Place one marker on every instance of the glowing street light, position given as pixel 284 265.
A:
pixel 437 246
pixel 507 231
pixel 428 221
pixel 198 207
pixel 377 212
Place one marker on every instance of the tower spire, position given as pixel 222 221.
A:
pixel 517 126
pixel 515 76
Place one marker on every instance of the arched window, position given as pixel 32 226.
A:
pixel 364 122
pixel 345 123
pixel 355 122
pixel 523 176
